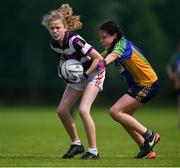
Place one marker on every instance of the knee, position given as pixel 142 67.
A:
pixel 117 115
pixel 61 111
pixel 113 112
pixel 83 112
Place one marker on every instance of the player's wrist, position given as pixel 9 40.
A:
pixel 102 65
pixel 104 62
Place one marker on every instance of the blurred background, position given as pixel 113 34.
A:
pixel 28 67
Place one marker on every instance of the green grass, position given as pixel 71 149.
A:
pixel 33 136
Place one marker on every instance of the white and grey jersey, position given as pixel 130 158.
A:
pixel 74 47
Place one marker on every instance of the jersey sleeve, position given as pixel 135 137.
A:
pixel 104 53
pixel 123 50
pixel 82 46
pixel 119 48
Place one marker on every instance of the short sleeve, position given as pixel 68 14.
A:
pixel 104 53
pixel 82 46
pixel 119 48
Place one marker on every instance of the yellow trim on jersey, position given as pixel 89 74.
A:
pixel 104 53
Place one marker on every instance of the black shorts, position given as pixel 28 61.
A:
pixel 144 93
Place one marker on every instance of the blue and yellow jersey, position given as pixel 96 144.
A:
pixel 132 64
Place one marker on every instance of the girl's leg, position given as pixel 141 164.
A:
pixel 118 112
pixel 135 135
pixel 69 98
pixel 88 98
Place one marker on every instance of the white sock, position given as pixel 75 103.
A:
pixel 76 143
pixel 94 151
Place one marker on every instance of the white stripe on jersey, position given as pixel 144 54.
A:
pixel 71 49
pixel 84 59
pixel 71 44
pixel 86 48
pixel 67 51
pixel 58 50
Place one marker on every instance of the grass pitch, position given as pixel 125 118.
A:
pixel 34 136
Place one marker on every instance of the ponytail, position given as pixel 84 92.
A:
pixel 65 13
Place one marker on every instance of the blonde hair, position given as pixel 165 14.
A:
pixel 65 13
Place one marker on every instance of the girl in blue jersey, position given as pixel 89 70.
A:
pixel 68 45
pixel 142 85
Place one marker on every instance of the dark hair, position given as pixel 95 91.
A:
pixel 111 28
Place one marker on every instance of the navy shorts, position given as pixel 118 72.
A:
pixel 144 93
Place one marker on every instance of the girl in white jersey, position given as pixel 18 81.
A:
pixel 68 45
